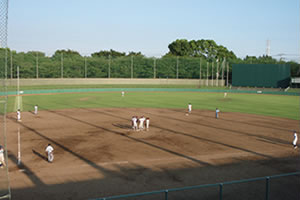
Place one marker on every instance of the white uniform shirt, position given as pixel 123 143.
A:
pixel 19 115
pixel 35 109
pixel 147 123
pixel 142 120
pixel 134 121
pixel 190 107
pixel 49 149
pixel 295 139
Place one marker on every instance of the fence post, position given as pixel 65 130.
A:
pixel 131 66
pixel 177 67
pixel 207 65
pixel 267 187
pixel 166 194
pixel 154 68
pixel 221 191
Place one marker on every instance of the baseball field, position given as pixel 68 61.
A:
pixel 97 154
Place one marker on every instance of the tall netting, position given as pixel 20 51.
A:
pixel 4 178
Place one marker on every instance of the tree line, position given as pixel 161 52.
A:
pixel 185 59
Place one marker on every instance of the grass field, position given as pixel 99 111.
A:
pixel 269 105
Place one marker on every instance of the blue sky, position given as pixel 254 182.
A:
pixel 242 26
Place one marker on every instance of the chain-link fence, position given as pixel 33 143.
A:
pixel 4 180
pixel 37 65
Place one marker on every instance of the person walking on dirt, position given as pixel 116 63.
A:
pixel 190 108
pixel 295 140
pixel 18 115
pixel 35 109
pixel 49 152
pixel 2 161
pixel 217 113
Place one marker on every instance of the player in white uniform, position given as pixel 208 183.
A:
pixel 190 107
pixel 141 123
pixel 19 115
pixel 147 123
pixel 295 140
pixel 123 93
pixel 2 161
pixel 49 151
pixel 35 109
pixel 217 113
pixel 134 123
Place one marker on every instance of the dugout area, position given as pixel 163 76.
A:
pixel 261 75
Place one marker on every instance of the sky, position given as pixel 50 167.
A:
pixel 149 26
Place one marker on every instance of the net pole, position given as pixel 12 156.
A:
pixel 212 73
pixel 37 65
pixel 18 86
pixel 207 66
pixel 19 146
pixel 154 68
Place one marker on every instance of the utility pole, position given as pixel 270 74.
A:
pixel 154 68
pixel 212 73
pixel 200 71
pixel 207 66
pixel 62 64
pixel 131 66
pixel 85 67
pixel 11 65
pixel 217 75
pixel 177 67
pixel 37 65
pixel 227 75
pixel 109 65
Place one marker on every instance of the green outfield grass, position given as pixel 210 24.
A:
pixel 270 105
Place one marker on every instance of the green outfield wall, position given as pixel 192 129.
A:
pixel 111 81
pixel 261 75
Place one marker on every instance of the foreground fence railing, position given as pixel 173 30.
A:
pixel 166 192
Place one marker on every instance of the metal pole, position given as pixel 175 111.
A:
pixel 227 75
pixel 19 146
pixel 267 187
pixel 166 195
pixel 18 86
pixel 200 72
pixel 131 66
pixel 109 64
pixel 177 67
pixel 212 73
pixel 221 191
pixel 11 65
pixel 154 68
pixel 223 66
pixel 37 65
pixel 85 67
pixel 217 75
pixel 62 64
pixel 207 66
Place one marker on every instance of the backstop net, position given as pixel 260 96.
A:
pixel 4 180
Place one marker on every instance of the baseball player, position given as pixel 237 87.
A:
pixel 147 123
pixel 49 152
pixel 2 161
pixel 295 140
pixel 35 109
pixel 141 123
pixel 18 115
pixel 217 113
pixel 134 123
pixel 123 93
pixel 190 107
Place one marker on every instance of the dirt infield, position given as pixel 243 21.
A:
pixel 97 154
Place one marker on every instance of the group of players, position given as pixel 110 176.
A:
pixel 139 124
